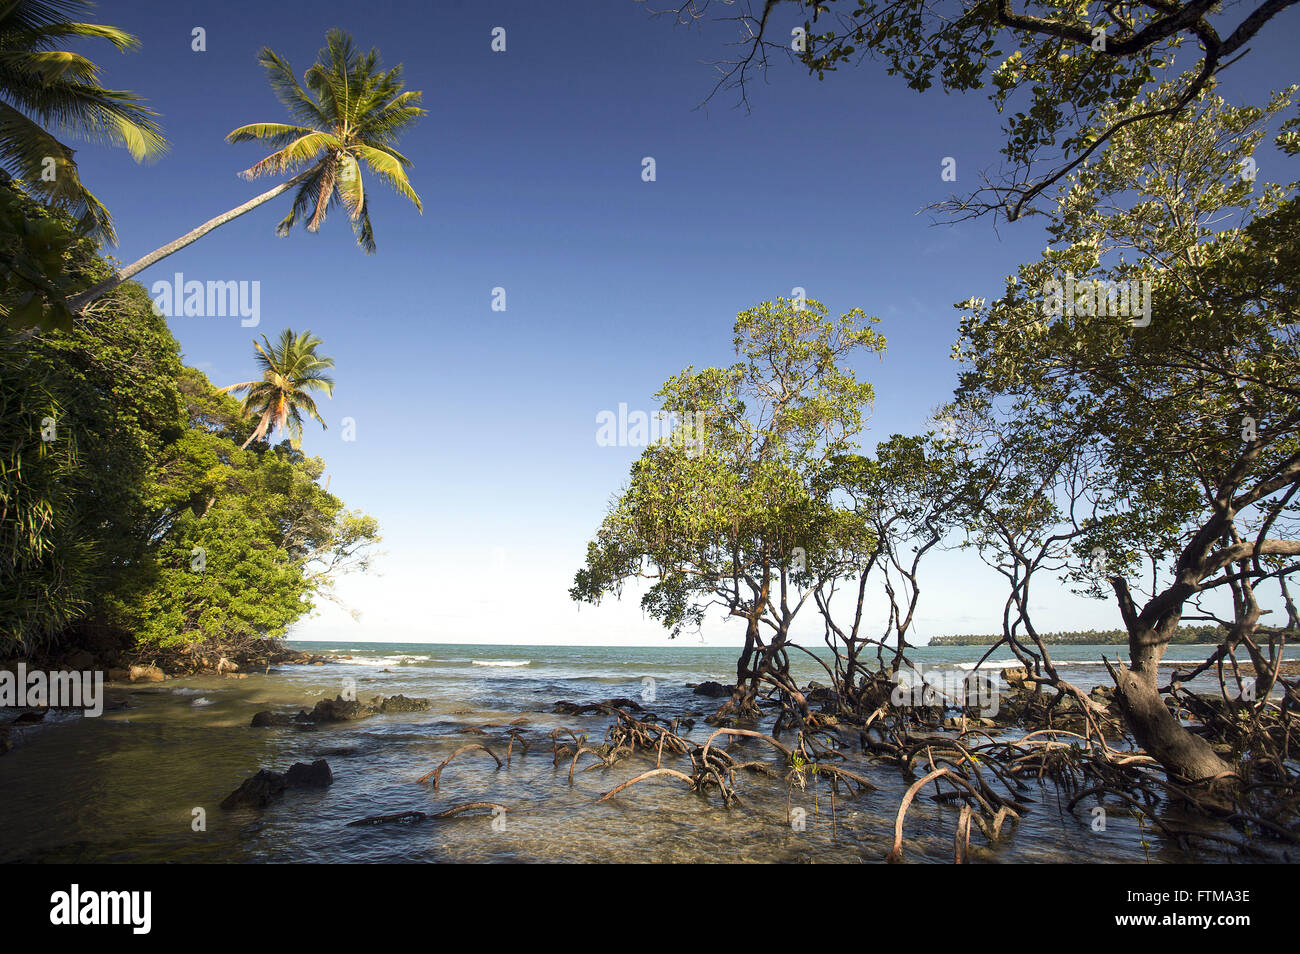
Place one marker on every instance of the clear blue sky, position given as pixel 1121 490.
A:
pixel 476 429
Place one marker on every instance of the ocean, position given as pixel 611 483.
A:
pixel 134 784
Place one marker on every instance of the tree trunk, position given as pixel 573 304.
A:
pixel 77 303
pixel 1292 617
pixel 743 701
pixel 1183 755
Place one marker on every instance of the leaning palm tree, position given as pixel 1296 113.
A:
pixel 44 88
pixel 351 113
pixel 290 368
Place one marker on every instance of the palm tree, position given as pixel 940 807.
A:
pixel 290 368
pixel 42 86
pixel 350 113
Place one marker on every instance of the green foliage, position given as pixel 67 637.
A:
pixel 714 516
pixel 118 465
pixel 43 87
pixel 351 114
pixel 290 368
pixel 34 243
pixel 1048 54
pixel 1188 425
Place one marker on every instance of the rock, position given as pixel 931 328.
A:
pixel 1015 675
pixel 714 690
pixel 400 703
pixel 337 709
pixel 224 666
pixel 266 786
pixel 145 674
pixel 256 792
pixel 30 716
pixel 119 675
pixel 315 775
pixel 818 694
pixel 262 720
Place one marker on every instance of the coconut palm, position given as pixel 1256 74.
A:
pixel 43 87
pixel 290 368
pixel 350 114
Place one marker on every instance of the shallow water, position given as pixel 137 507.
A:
pixel 125 786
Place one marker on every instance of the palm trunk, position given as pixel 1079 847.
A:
pixel 79 302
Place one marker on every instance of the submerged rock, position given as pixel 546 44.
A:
pixel 339 709
pixel 315 775
pixel 400 703
pixel 256 792
pixel 264 719
pixel 574 708
pixel 266 786
pixel 714 690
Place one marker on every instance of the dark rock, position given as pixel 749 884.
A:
pixel 264 719
pixel 266 786
pixel 25 718
pixel 256 792
pixel 573 708
pixel 315 775
pixel 337 709
pixel 400 703
pixel 818 694
pixel 714 690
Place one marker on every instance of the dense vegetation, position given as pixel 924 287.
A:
pixel 137 499
pixel 127 502
pixel 1146 454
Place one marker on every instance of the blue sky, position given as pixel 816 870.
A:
pixel 475 429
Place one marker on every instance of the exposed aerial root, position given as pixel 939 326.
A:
pixel 436 774
pixel 645 775
pixel 410 818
